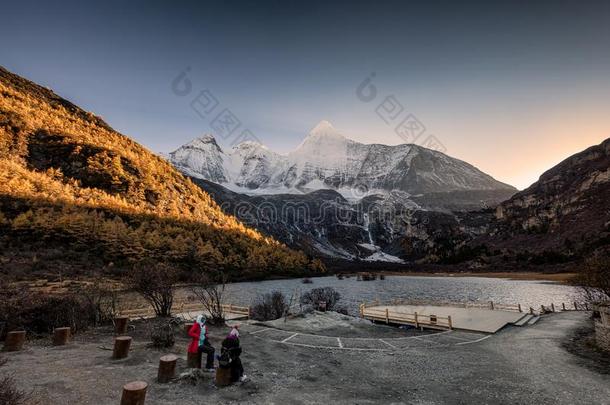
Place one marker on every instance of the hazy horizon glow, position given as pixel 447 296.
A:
pixel 512 88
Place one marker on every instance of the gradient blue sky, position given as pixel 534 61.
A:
pixel 512 87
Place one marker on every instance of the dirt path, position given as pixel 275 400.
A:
pixel 517 365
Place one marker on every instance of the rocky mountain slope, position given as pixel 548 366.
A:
pixel 566 213
pixel 327 160
pixel 75 196
pixel 559 221
pixel 380 227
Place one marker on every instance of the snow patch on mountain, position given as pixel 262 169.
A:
pixel 378 255
pixel 383 257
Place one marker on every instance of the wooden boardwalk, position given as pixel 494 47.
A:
pixel 441 317
pixel 402 316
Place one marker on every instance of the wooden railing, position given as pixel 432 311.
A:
pixel 185 307
pixel 573 306
pixel 236 309
pixel 403 318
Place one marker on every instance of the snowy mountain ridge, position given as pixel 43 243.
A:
pixel 328 160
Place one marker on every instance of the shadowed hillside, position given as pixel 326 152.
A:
pixel 565 211
pixel 563 217
pixel 75 195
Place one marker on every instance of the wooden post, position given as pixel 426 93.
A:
pixel 449 321
pixel 563 306
pixel 121 347
pixel 193 360
pixel 491 304
pixel 61 336
pixel 134 393
pixel 416 321
pixel 223 376
pixel 552 307
pixel 167 368
pixel 14 341
pixel 120 325
pixel 519 306
pixel 542 310
pixel 531 311
pixel 387 316
pixel 575 307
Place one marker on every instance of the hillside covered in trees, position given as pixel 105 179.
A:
pixel 77 196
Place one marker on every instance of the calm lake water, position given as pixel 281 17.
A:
pixel 461 289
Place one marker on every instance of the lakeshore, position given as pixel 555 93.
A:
pixel 539 276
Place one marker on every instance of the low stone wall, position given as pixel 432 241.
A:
pixel 602 335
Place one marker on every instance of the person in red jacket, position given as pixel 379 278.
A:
pixel 200 342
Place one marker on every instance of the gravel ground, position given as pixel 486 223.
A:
pixel 515 366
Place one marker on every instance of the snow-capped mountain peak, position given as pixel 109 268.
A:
pixel 249 145
pixel 328 160
pixel 324 128
pixel 203 142
pixel 201 157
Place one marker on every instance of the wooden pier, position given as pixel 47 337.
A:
pixel 487 317
pixel 394 316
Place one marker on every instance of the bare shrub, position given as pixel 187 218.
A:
pixel 594 279
pixel 39 314
pixel 210 291
pixel 162 333
pixel 103 299
pixel 294 298
pixel 341 309
pixel 323 294
pixel 10 395
pixel 270 306
pixel 155 282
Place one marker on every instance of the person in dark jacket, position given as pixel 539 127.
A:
pixel 230 352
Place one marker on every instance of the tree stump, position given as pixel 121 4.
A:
pixel 167 368
pixel 134 393
pixel 120 325
pixel 61 336
pixel 193 360
pixel 223 376
pixel 121 347
pixel 14 341
pixel 187 327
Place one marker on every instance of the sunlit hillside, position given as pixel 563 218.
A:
pixel 76 195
